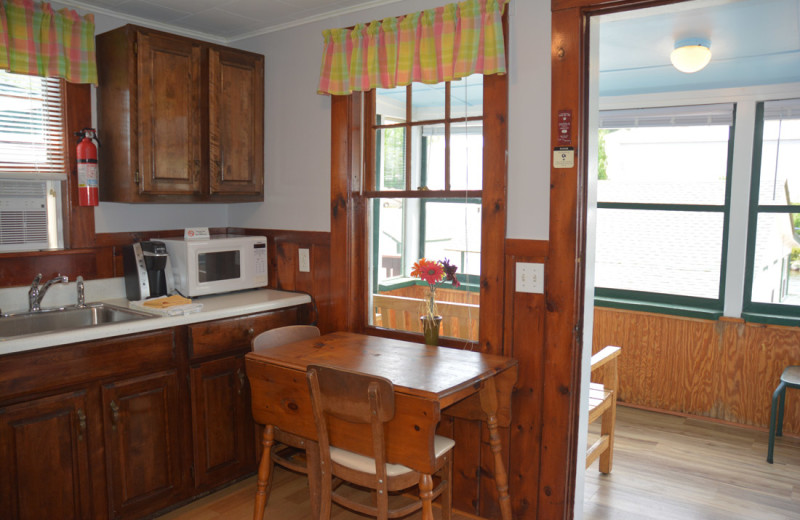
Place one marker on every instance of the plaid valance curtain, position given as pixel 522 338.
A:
pixel 38 41
pixel 431 46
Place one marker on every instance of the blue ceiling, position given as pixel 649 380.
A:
pixel 753 42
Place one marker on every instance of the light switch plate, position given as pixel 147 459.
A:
pixel 303 260
pixel 530 278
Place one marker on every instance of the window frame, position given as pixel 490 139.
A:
pixel 762 312
pixel 373 193
pixel 676 304
pixel 349 226
pixel 77 221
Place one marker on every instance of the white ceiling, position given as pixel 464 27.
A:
pixel 752 41
pixel 224 21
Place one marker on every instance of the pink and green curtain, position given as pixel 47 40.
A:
pixel 36 40
pixel 432 46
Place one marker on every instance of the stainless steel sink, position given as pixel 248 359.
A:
pixel 66 318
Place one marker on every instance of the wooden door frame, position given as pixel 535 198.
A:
pixel 564 271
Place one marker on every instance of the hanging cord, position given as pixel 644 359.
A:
pixel 470 318
pixel 777 155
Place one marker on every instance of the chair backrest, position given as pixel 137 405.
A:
pixel 283 335
pixel 605 363
pixel 353 397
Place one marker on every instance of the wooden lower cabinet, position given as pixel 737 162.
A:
pixel 222 423
pixel 44 459
pixel 141 418
pixel 124 427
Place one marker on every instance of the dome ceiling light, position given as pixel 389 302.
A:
pixel 691 55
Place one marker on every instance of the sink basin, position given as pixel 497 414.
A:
pixel 66 318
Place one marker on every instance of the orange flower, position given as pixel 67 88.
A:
pixel 428 271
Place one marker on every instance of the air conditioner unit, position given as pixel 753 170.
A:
pixel 23 215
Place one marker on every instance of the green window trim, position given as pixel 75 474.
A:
pixel 674 303
pixel 761 312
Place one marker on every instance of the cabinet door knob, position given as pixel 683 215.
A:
pixel 81 424
pixel 114 415
pixel 251 331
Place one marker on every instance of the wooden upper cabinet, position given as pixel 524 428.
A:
pixel 169 116
pixel 180 120
pixel 236 122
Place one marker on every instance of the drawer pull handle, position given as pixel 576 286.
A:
pixel 250 331
pixel 81 424
pixel 240 373
pixel 114 415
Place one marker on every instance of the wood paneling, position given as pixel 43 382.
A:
pixel 724 370
pixel 524 339
pixel 563 319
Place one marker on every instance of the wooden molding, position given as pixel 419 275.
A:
pixel 527 248
pixel 78 221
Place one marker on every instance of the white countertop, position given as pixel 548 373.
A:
pixel 214 307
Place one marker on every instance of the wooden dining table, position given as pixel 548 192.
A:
pixel 428 381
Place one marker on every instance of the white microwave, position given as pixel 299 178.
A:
pixel 218 264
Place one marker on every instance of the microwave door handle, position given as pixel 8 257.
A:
pixel 170 278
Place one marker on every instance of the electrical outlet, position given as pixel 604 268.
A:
pixel 530 278
pixel 303 260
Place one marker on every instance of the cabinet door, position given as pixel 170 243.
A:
pixel 141 419
pixel 169 115
pixel 44 463
pixel 221 421
pixel 236 122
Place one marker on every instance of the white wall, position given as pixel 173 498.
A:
pixel 297 132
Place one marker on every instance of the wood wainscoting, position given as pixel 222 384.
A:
pixel 724 370
pixel 523 338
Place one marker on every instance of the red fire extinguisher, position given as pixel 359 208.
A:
pixel 88 182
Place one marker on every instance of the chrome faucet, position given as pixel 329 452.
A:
pixel 81 292
pixel 36 293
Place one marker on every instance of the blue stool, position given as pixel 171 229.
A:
pixel 789 379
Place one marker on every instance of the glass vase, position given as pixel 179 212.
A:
pixel 430 329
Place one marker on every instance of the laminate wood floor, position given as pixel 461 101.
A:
pixel 287 501
pixel 665 467
pixel 670 467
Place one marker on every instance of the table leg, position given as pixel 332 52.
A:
pixel 500 475
pixel 488 398
pixel 264 472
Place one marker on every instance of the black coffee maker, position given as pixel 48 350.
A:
pixel 148 273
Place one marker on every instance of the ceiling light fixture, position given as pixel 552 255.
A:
pixel 691 55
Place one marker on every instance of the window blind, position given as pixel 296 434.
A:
pixel 783 109
pixel 31 128
pixel 692 115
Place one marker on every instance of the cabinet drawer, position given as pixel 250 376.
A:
pixel 59 367
pixel 231 334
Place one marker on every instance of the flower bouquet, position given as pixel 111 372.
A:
pixel 434 273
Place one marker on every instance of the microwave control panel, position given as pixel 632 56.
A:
pixel 260 258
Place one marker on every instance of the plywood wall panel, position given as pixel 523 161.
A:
pixel 724 370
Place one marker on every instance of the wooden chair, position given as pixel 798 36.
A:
pixel 358 398
pixel 289 450
pixel 790 378
pixel 603 404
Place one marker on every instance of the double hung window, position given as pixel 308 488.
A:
pixel 773 272
pixel 424 178
pixel 32 162
pixel 663 205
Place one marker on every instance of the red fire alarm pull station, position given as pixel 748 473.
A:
pixel 564 127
